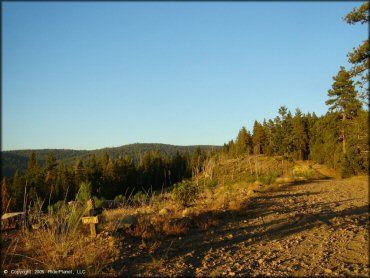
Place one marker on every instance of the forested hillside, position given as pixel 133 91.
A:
pixel 111 172
pixel 17 159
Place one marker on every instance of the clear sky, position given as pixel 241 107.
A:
pixel 92 75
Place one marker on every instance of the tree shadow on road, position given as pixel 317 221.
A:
pixel 294 220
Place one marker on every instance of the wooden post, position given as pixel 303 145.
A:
pixel 93 230
pixel 90 206
pixel 91 219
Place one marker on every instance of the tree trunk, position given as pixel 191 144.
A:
pixel 344 134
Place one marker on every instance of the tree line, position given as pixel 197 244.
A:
pixel 108 177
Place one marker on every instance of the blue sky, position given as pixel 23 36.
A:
pixel 92 75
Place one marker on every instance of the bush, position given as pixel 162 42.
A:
pixel 306 172
pixel 251 179
pixel 57 206
pixel 211 184
pixel 120 198
pixel 346 167
pixel 268 178
pixel 84 193
pixel 352 163
pixel 185 193
pixel 140 197
pixel 99 202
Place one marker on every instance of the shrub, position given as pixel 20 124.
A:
pixel 185 193
pixel 99 202
pixel 251 179
pixel 211 184
pixel 306 172
pixel 57 206
pixel 352 163
pixel 120 198
pixel 143 229
pixel 346 167
pixel 140 197
pixel 84 193
pixel 207 221
pixel 268 178
pixel 176 228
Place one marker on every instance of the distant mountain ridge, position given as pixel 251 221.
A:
pixel 18 159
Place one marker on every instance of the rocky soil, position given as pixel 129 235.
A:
pixel 302 229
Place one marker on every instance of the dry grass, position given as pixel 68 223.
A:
pixel 227 184
pixel 70 251
pixel 145 229
pixel 176 228
pixel 60 243
pixel 206 222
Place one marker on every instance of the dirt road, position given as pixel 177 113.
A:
pixel 303 229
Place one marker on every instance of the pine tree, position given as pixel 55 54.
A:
pixel 243 142
pixel 51 162
pixel 268 128
pixel 18 185
pixel 300 136
pixel 79 174
pixel 343 99
pixel 259 138
pixel 5 196
pixel 94 174
pixel 359 57
pixel 232 148
pixel 66 190
pixel 33 168
pixel 50 176
pixel 34 178
pixel 287 134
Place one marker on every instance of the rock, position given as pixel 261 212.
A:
pixel 187 212
pixel 163 212
pixel 190 254
pixel 129 220
pixel 250 192
pixel 258 183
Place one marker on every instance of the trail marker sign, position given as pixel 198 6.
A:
pixel 90 220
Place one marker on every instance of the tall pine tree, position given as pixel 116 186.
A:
pixel 343 99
